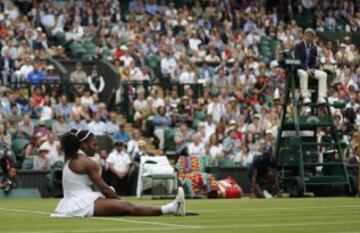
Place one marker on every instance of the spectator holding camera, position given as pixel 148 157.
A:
pixel 10 181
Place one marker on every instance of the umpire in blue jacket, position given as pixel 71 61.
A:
pixel 306 52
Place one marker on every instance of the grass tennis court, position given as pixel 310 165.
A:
pixel 243 215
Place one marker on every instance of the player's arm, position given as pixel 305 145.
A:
pixel 93 171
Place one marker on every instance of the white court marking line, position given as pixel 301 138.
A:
pixel 234 226
pixel 180 227
pixel 278 208
pixel 146 222
pixel 103 230
pixel 107 219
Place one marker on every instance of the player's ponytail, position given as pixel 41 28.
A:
pixel 70 144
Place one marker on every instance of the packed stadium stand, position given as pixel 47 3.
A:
pixel 177 78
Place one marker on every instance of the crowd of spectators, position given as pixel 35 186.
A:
pixel 217 44
pixel 214 44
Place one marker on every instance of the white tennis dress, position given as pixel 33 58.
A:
pixel 78 198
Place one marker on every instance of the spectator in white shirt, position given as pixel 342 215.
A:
pixel 216 108
pixel 126 59
pixel 247 78
pixel 196 147
pixel 47 112
pixel 141 107
pixel 168 65
pixel 24 70
pixel 214 149
pixel 76 32
pixel 87 99
pixel 187 76
pixel 210 126
pixel 77 107
pixel 96 81
pixel 135 72
pixel 194 42
pixel 119 166
pixel 155 101
pixel 96 126
pixel 212 57
pixel 133 144
pixel 48 18
pixel 245 157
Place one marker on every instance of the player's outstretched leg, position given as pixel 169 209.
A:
pixel 111 207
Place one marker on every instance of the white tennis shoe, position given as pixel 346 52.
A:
pixel 180 203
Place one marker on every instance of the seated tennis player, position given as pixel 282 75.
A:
pixel 80 173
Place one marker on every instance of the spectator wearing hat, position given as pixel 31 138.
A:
pixel 78 76
pixel 50 75
pixel 126 59
pixel 264 180
pixel 53 146
pixel 42 161
pixel 255 126
pixel 306 52
pixel 121 174
pixel 341 56
pixel 96 82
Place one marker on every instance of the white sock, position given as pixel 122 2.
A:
pixel 168 208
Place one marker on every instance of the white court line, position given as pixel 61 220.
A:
pixel 234 226
pixel 105 230
pixel 108 219
pixel 25 211
pixel 278 208
pixel 179 227
pixel 146 222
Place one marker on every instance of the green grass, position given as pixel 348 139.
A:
pixel 242 215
